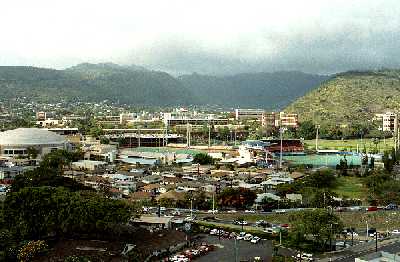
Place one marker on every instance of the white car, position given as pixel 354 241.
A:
pixel 248 237
pixel 244 222
pixel 255 240
pixel 195 252
pixel 215 231
pixel 212 211
pixel 232 211
pixel 354 234
pixel 396 232
pixel 188 218
pixel 305 256
pixel 179 258
pixel 241 236
pixel 250 211
pixel 280 211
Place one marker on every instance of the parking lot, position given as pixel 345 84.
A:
pixel 245 251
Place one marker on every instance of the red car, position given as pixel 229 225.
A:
pixel 372 208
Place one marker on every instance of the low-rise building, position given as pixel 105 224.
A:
pixel 152 179
pixel 89 165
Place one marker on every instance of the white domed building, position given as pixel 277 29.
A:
pixel 16 142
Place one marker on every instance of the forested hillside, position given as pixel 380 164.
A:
pixel 93 83
pixel 139 86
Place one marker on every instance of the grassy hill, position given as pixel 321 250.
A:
pixel 351 97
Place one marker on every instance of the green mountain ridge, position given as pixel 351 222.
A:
pixel 140 86
pixel 350 97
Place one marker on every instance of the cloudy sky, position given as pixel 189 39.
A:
pixel 204 36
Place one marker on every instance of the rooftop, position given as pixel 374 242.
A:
pixel 30 136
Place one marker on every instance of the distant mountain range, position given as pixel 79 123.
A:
pixel 261 90
pixel 140 86
pixel 350 97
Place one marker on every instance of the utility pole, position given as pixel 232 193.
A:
pixel 316 137
pixel 188 134
pixel 166 136
pixel 213 199
pixel 209 136
pixel 139 137
pixel 191 209
pixel 396 126
pixel 236 251
pixel 235 136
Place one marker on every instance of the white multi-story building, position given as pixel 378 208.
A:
pixel 241 114
pixel 288 120
pixel 388 121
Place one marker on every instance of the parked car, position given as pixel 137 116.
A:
pixel 372 208
pixel 371 231
pixel 248 237
pixel 396 232
pixel 176 213
pixel 374 235
pixel 355 234
pixel 226 234
pixel 391 206
pixel 354 208
pixel 179 258
pixel 255 240
pixel 304 256
pixel 232 211
pixel 195 252
pixel 190 218
pixel 241 236
pixel 242 222
pixel 250 211
pixel 268 230
pixel 216 232
pixel 261 223
pixel 280 211
pixel 233 235
pixel 188 254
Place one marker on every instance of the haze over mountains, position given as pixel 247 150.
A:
pixel 138 85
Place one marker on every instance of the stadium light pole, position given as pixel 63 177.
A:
pixel 281 131
pixel 316 137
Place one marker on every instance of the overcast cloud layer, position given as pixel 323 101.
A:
pixel 208 36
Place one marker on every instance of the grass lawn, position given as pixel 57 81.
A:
pixel 351 187
pixel 381 220
pixel 350 145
